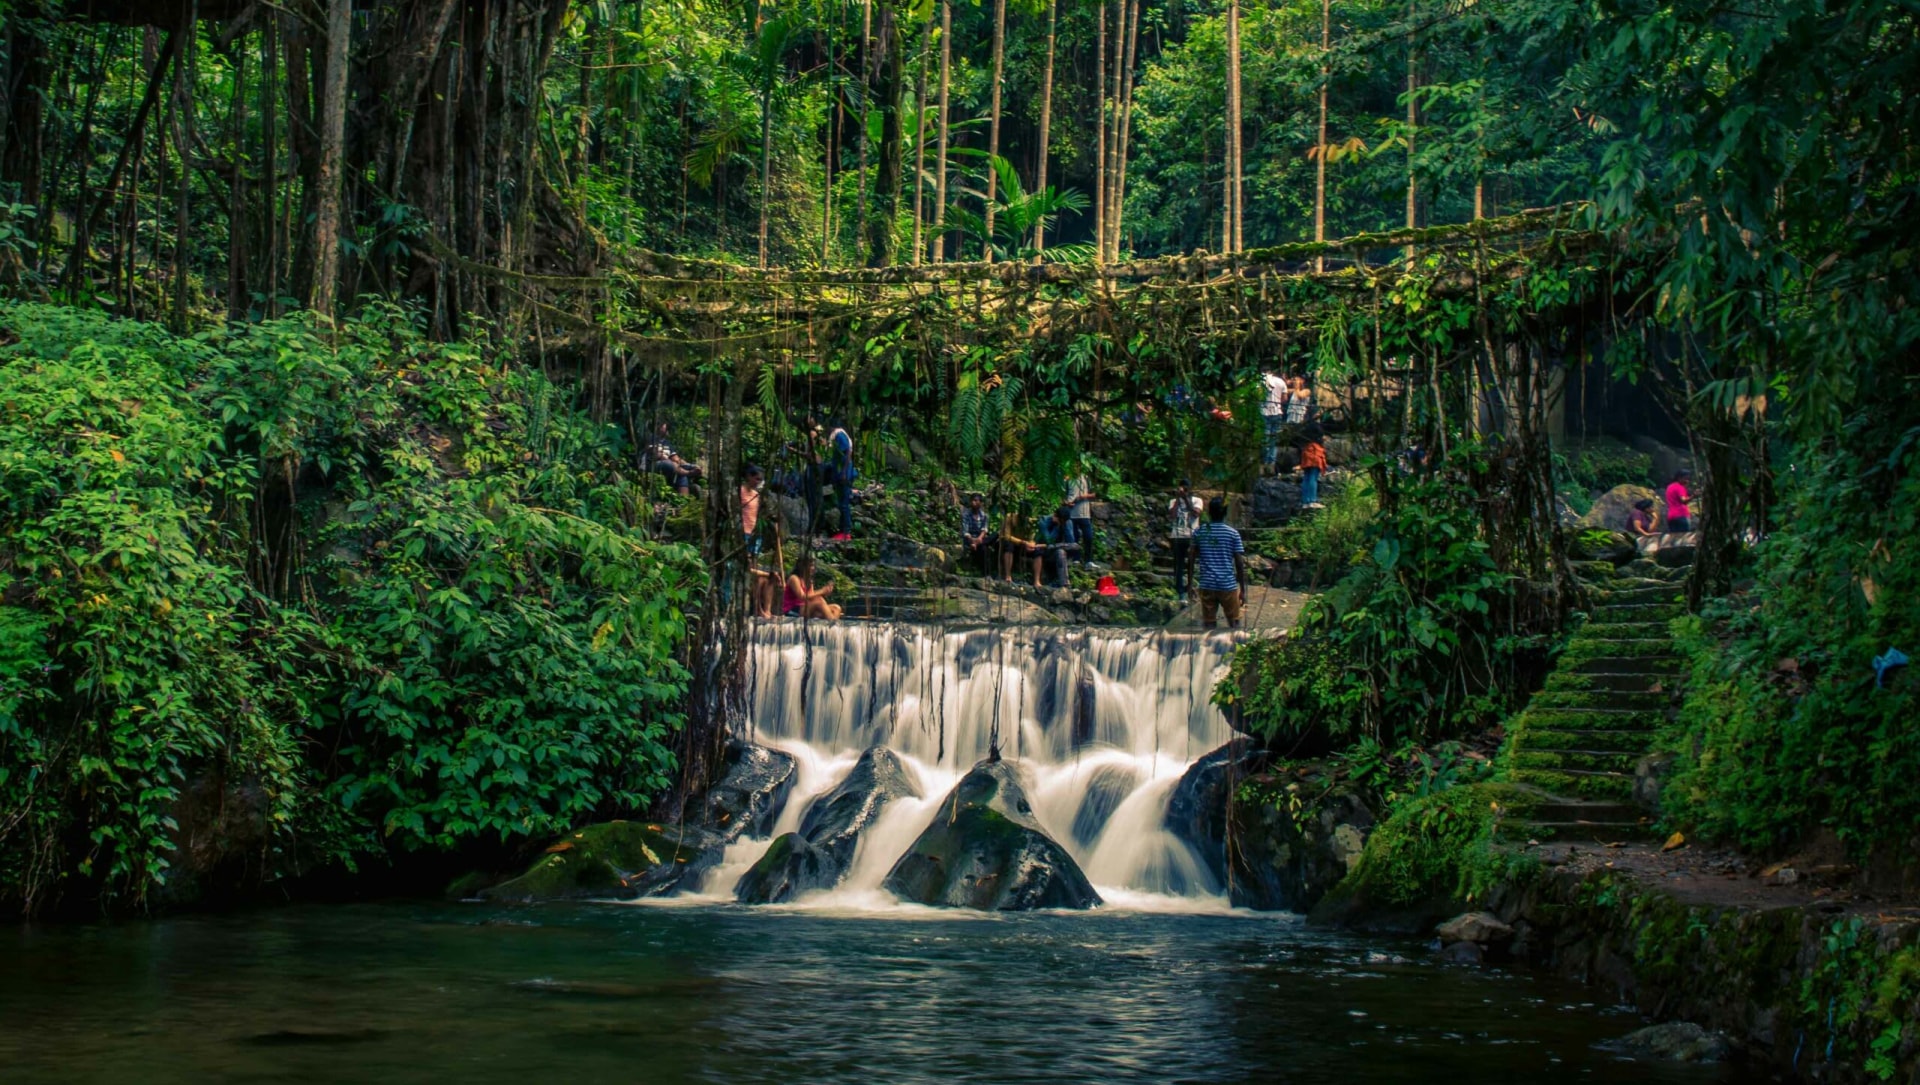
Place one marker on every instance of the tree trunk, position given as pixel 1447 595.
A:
pixel 940 171
pixel 1234 164
pixel 993 122
pixel 893 61
pixel 865 103
pixel 1123 132
pixel 766 159
pixel 920 141
pixel 1413 68
pixel 1320 149
pixel 1046 125
pixel 333 128
pixel 1100 134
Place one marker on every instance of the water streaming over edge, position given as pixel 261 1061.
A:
pixel 1102 722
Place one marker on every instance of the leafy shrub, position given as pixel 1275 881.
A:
pixel 1335 537
pixel 1441 846
pixel 1404 647
pixel 1784 729
pixel 392 585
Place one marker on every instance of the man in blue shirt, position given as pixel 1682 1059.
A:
pixel 1222 562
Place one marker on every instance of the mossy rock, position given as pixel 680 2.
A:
pixel 616 859
pixel 1582 760
pixel 986 850
pixel 1607 626
pixel 1598 700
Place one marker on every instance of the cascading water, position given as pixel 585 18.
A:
pixel 1104 721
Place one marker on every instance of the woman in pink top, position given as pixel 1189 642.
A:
pixel 1679 516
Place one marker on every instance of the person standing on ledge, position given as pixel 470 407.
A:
pixel 1273 411
pixel 1679 515
pixel 1222 559
pixel 1183 516
pixel 840 443
pixel 1080 499
pixel 1313 460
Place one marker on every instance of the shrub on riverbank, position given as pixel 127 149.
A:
pixel 375 594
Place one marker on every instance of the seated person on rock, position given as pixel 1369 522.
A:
pixel 1016 546
pixel 1641 522
pixel 975 535
pixel 680 473
pixel 803 600
pixel 1059 541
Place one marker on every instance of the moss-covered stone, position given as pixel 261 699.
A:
pixel 616 859
pixel 986 850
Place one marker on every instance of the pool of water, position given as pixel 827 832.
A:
pixel 718 993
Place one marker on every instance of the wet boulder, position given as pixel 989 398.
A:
pixel 1107 788
pixel 617 859
pixel 819 855
pixel 986 850
pixel 751 791
pixel 1197 810
pixel 789 867
pixel 1289 858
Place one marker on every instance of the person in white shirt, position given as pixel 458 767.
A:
pixel 1273 410
pixel 1183 515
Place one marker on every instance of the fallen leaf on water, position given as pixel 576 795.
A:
pixel 1677 840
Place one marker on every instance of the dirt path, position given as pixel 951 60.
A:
pixel 1721 877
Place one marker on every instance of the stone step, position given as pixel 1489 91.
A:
pixel 1583 783
pixel 1663 613
pixel 1657 646
pixel 1559 808
pixel 1589 719
pixel 1600 700
pixel 1644 569
pixel 1655 595
pixel 1599 832
pixel 1612 664
pixel 1604 681
pixel 1606 627
pixel 1612 761
pixel 1583 739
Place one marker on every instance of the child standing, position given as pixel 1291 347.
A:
pixel 1313 460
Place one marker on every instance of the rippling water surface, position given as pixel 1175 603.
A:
pixel 709 993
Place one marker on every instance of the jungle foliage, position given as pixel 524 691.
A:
pixel 363 596
pixel 1408 646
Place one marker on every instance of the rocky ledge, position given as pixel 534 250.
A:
pixel 819 855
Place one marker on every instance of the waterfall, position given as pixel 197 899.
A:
pixel 1104 720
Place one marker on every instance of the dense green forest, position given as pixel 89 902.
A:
pixel 333 328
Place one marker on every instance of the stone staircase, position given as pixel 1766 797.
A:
pixel 1578 741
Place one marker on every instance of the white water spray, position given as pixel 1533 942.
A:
pixel 1104 720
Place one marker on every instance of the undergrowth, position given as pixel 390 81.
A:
pixel 370 595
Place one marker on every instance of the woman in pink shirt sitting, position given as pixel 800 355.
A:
pixel 1679 516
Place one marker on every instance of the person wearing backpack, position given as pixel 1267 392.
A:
pixel 1184 513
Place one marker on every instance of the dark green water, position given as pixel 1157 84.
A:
pixel 592 993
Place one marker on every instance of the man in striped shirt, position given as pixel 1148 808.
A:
pixel 1222 562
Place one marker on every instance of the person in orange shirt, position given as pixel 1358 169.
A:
pixel 1313 460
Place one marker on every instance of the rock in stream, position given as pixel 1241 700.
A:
pixel 986 850
pixel 820 854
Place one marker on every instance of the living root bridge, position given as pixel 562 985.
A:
pixel 1174 319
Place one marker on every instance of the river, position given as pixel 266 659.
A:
pixel 664 993
pixel 1165 982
